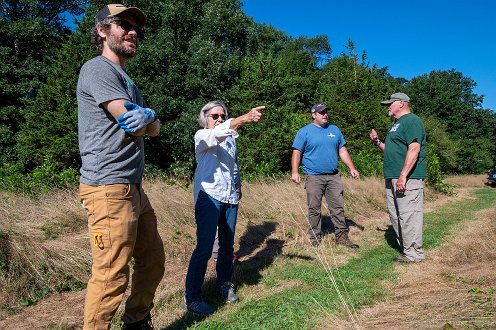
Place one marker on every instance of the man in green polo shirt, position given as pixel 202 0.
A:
pixel 404 170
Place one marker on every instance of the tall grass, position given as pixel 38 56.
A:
pixel 44 248
pixel 362 280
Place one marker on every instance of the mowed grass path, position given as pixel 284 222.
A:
pixel 296 294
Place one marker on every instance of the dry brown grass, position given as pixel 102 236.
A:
pixel 31 261
pixel 456 287
pixel 272 223
pixel 272 218
pixel 467 181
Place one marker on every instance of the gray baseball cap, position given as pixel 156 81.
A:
pixel 396 97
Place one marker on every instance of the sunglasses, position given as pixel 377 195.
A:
pixel 216 116
pixel 126 26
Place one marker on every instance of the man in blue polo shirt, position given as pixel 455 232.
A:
pixel 318 145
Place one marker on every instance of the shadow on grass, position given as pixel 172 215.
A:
pixel 390 237
pixel 247 270
pixel 253 258
pixel 187 320
pixel 328 227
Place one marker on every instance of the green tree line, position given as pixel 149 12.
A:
pixel 194 51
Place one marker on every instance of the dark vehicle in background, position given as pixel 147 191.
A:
pixel 491 178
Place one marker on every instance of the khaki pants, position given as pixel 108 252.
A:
pixel 407 217
pixel 122 225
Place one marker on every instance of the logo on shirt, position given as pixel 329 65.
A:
pixel 331 135
pixel 128 83
pixel 395 127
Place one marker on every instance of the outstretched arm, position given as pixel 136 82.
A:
pixel 254 115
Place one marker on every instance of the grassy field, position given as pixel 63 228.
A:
pixel 283 282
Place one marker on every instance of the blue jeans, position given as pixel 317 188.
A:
pixel 210 214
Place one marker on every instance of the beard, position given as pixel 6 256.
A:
pixel 116 44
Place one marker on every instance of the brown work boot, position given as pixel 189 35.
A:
pixel 145 324
pixel 315 240
pixel 344 240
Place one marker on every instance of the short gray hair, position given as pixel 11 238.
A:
pixel 203 117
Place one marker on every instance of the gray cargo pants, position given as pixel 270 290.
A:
pixel 330 186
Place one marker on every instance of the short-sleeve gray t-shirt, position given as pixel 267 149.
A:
pixel 108 154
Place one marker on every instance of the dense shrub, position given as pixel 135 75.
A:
pixel 435 175
pixel 43 178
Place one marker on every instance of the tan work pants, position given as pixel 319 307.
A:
pixel 122 225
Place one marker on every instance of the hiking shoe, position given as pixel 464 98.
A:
pixel 145 324
pixel 227 291
pixel 315 242
pixel 403 259
pixel 199 307
pixel 345 241
pixel 349 244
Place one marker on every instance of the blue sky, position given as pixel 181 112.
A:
pixel 411 38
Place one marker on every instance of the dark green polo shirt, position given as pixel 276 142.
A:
pixel 405 130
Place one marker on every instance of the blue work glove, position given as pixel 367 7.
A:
pixel 136 117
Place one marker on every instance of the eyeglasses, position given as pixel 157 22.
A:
pixel 322 113
pixel 216 116
pixel 126 26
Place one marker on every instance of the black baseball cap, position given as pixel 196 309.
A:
pixel 318 108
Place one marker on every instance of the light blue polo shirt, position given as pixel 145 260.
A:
pixel 319 147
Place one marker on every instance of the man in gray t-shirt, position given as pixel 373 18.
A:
pixel 112 120
pixel 109 155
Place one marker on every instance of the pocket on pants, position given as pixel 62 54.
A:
pixel 119 204
pixel 113 212
pixel 87 200
pixel 121 190
pixel 100 248
pixel 414 184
